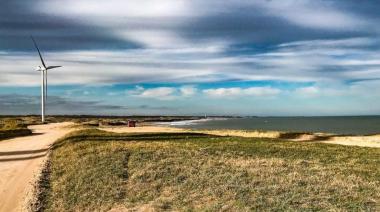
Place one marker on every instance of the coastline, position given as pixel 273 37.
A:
pixel 342 126
pixel 187 122
pixel 363 141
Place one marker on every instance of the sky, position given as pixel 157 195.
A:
pixel 192 57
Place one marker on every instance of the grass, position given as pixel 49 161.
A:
pixel 10 128
pixel 93 170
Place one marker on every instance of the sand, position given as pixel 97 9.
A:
pixel 21 161
pixel 363 141
pixel 143 129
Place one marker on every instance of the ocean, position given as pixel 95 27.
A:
pixel 342 125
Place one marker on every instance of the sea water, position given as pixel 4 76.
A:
pixel 343 125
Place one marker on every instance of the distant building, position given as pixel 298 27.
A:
pixel 131 123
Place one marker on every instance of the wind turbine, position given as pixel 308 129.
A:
pixel 44 73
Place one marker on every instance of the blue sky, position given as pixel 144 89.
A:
pixel 182 57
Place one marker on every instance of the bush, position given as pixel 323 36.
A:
pixel 5 134
pixel 10 128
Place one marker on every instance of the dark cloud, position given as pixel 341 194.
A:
pixel 253 28
pixel 16 104
pixel 19 20
pixel 25 104
pixel 239 23
pixel 150 107
pixel 366 8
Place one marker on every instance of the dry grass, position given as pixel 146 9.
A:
pixel 10 128
pixel 95 170
pixel 243 133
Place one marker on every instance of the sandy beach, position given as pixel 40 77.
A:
pixel 364 141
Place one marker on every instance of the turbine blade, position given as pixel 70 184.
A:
pixel 39 53
pixel 51 67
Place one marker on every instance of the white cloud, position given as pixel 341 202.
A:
pixel 311 91
pixel 112 93
pixel 150 23
pixel 153 38
pixel 121 8
pixel 188 91
pixel 349 42
pixel 239 92
pixel 306 61
pixel 223 92
pixel 105 67
pixel 350 91
pixel 160 93
pixel 261 91
pixel 137 91
pixel 164 93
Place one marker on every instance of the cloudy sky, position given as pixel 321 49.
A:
pixel 192 57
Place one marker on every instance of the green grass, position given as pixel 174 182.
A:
pixel 96 171
pixel 10 128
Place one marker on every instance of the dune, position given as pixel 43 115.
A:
pixel 363 141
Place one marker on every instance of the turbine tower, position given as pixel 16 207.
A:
pixel 44 73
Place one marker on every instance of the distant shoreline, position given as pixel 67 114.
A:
pixel 347 126
pixel 183 116
pixel 364 141
pixel 339 125
pixel 188 122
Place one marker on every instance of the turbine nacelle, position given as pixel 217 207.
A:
pixel 39 68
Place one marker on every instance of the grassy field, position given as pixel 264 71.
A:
pixel 94 170
pixel 10 128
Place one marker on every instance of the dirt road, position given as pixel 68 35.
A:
pixel 21 160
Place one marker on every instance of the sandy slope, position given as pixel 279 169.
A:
pixel 21 160
pixel 144 129
pixel 365 141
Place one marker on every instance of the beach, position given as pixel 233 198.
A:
pixel 364 141
pixel 337 125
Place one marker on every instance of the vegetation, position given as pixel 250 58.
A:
pixel 97 120
pixel 92 170
pixel 10 128
pixel 15 126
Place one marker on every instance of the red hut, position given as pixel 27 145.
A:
pixel 131 123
